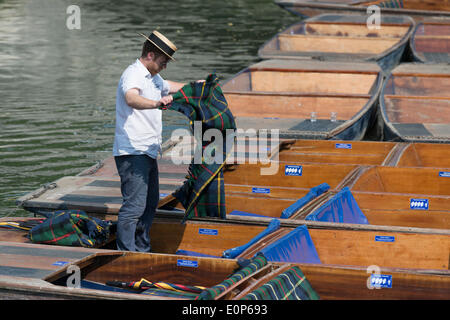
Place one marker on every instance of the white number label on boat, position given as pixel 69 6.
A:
pixel 418 204
pixel 293 170
pixel 381 281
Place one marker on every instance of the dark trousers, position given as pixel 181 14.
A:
pixel 140 193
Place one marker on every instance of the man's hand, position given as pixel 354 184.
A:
pixel 166 100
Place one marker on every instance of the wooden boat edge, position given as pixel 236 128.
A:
pixel 289 5
pixel 372 58
pixel 390 133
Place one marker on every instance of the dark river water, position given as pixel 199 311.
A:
pixel 58 81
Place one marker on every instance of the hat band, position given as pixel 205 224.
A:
pixel 161 44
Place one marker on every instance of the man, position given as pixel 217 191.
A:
pixel 137 140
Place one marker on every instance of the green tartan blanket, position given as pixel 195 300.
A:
pixel 290 285
pixel 255 264
pixel 71 228
pixel 203 193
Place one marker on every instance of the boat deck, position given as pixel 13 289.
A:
pixel 338 163
pixel 28 266
pixel 36 261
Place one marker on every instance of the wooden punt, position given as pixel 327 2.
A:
pixel 409 196
pixel 390 196
pixel 347 283
pixel 352 245
pixel 307 176
pixel 430 42
pixel 415 103
pixel 336 151
pixel 165 268
pixel 387 196
pixel 102 266
pixel 98 190
pixel 423 155
pixel 343 37
pixel 283 94
pixel 32 271
pixel 393 154
pixel 417 9
pixel 102 194
pixel 413 181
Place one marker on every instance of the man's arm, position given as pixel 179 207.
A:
pixel 136 101
pixel 175 86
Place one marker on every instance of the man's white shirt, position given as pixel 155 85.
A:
pixel 139 131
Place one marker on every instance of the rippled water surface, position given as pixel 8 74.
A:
pixel 57 86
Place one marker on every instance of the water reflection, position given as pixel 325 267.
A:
pixel 58 85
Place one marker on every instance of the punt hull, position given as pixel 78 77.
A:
pixel 414 104
pixel 269 96
pixel 99 266
pixel 305 8
pixel 366 45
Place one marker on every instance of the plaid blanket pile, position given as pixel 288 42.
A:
pixel 71 228
pixel 255 264
pixel 203 193
pixel 290 285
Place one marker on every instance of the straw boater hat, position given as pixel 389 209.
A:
pixel 162 43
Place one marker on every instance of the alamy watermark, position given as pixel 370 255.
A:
pixel 239 146
pixel 73 21
pixel 374 20
pixel 74 278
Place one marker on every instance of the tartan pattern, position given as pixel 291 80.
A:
pixel 203 193
pixel 170 293
pixel 21 225
pixel 71 228
pixel 290 285
pixel 255 264
pixel 144 284
pixel 204 101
